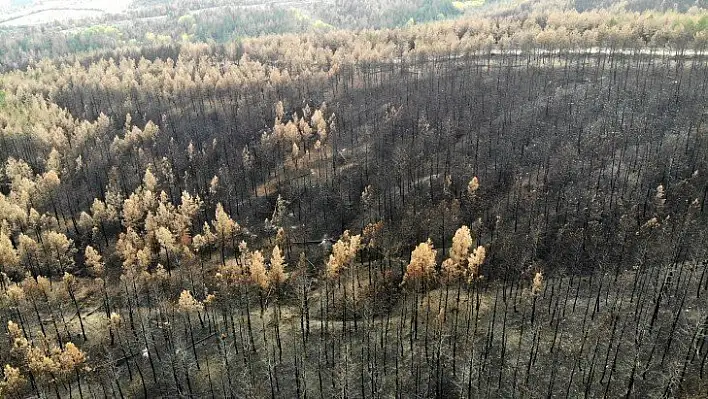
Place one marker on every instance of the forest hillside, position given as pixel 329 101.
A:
pixel 355 199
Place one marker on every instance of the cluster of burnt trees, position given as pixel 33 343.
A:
pixel 643 5
pixel 358 327
pixel 182 204
pixel 571 146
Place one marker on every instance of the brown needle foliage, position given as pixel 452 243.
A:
pixel 422 265
pixel 343 254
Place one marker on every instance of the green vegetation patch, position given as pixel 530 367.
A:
pixel 321 25
pixel 95 37
pixel 465 5
pixel 429 10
